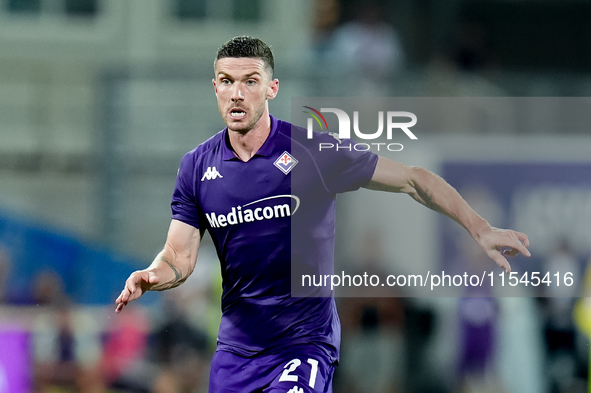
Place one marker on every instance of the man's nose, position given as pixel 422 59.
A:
pixel 237 92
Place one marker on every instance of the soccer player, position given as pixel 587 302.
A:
pixel 240 185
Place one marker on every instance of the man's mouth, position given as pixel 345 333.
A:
pixel 237 114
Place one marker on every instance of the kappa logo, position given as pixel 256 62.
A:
pixel 285 162
pixel 295 389
pixel 211 173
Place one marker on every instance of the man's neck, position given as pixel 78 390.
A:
pixel 245 145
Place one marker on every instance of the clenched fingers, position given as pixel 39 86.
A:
pixel 518 244
pixel 522 238
pixel 500 260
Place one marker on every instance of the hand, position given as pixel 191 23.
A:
pixel 138 282
pixel 498 243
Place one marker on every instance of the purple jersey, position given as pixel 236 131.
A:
pixel 262 214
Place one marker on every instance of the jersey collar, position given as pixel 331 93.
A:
pixel 265 150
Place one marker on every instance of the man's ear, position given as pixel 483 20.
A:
pixel 215 87
pixel 273 89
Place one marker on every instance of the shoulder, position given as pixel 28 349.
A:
pixel 207 146
pixel 210 146
pixel 204 152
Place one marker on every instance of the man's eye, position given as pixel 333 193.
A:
pixel 251 82
pixel 225 81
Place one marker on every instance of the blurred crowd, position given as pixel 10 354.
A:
pixel 75 348
pixel 390 344
pixel 482 342
pixel 359 42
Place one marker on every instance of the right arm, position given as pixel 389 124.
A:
pixel 171 267
pixel 435 193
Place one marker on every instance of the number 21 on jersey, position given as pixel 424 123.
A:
pixel 292 365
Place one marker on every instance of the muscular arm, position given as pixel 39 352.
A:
pixel 175 263
pixel 171 267
pixel 432 191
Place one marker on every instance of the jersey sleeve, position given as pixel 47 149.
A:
pixel 184 204
pixel 345 169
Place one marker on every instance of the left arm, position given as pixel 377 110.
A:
pixel 432 191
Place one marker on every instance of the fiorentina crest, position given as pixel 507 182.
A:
pixel 285 162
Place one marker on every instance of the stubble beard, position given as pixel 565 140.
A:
pixel 241 127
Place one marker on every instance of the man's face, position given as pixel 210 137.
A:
pixel 243 86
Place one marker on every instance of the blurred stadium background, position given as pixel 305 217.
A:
pixel 101 98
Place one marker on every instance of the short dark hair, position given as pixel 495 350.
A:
pixel 246 46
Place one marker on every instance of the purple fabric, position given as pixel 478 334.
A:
pixel 299 366
pixel 477 317
pixel 15 362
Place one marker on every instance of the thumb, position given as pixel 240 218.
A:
pixel 153 278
